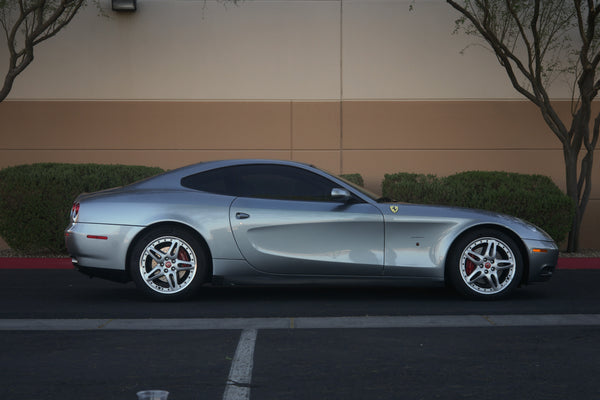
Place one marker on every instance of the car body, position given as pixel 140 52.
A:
pixel 271 221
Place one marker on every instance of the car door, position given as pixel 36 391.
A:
pixel 286 222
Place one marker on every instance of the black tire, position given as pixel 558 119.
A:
pixel 484 264
pixel 168 263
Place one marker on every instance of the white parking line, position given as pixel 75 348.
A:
pixel 413 321
pixel 240 375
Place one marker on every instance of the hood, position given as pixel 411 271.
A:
pixel 466 217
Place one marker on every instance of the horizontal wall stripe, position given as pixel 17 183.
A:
pixel 369 137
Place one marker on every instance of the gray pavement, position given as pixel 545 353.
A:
pixel 64 294
pixel 419 363
pixel 65 336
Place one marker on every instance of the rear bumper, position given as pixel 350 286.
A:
pixel 101 246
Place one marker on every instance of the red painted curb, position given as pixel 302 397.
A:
pixel 65 263
pixel 578 263
pixel 35 263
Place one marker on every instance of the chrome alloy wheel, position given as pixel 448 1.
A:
pixel 487 265
pixel 168 265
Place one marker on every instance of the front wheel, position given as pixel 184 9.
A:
pixel 168 264
pixel 485 264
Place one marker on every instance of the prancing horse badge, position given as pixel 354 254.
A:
pixel 394 209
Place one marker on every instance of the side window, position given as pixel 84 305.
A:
pixel 263 181
pixel 283 182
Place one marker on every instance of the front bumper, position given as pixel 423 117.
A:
pixel 543 258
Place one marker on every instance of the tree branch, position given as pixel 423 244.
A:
pixel 33 22
pixel 539 96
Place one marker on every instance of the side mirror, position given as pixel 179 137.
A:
pixel 340 194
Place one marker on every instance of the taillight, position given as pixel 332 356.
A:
pixel 75 211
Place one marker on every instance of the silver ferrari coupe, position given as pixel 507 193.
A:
pixel 268 221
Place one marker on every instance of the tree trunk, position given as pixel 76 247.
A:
pixel 579 187
pixel 571 176
pixel 7 86
pixel 16 66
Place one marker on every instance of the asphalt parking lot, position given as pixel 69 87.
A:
pixel 414 363
pixel 65 336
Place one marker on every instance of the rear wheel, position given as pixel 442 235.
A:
pixel 168 263
pixel 485 264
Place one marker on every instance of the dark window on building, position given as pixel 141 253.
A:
pixel 267 181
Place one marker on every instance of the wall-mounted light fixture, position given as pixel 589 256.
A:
pixel 124 5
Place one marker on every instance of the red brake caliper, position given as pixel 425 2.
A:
pixel 469 267
pixel 182 255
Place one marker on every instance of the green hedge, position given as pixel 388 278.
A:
pixel 534 198
pixel 35 200
pixel 357 179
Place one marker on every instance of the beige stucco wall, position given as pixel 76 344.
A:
pixel 264 50
pixel 350 85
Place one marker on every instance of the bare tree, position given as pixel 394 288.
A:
pixel 536 41
pixel 26 23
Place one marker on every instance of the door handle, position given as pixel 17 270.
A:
pixel 241 215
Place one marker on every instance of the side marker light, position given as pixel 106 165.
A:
pixel 97 237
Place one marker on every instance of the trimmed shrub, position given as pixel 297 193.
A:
pixel 534 198
pixel 357 179
pixel 412 188
pixel 35 200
